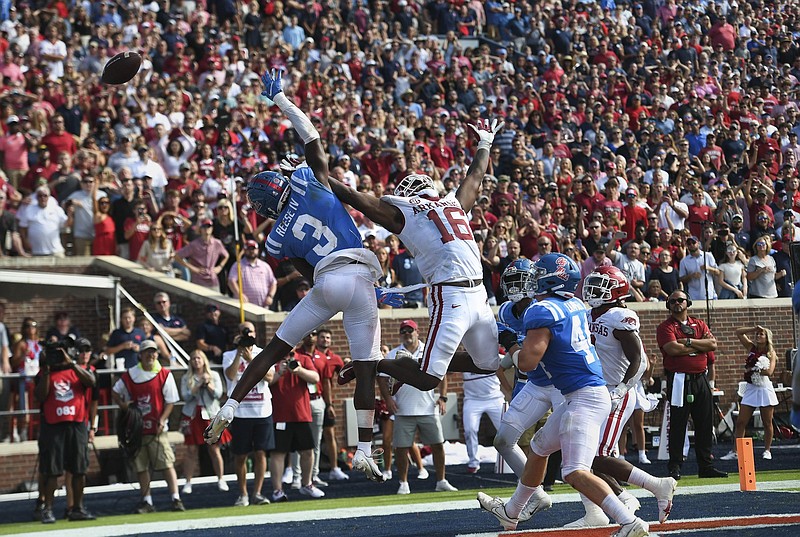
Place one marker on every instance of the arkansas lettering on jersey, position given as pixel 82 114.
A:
pixel 609 348
pixel 313 224
pixel 438 234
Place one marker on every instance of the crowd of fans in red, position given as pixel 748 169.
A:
pixel 640 134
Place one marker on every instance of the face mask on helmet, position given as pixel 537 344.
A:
pixel 268 193
pixel 605 285
pixel 414 184
pixel 517 281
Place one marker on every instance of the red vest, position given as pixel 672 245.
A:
pixel 149 397
pixel 66 400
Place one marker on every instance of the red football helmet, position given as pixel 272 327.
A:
pixel 605 285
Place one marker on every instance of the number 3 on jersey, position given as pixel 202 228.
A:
pixel 457 220
pixel 318 231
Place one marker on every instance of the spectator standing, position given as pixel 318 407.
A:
pixel 205 257
pixel 733 277
pixel 122 209
pixel 292 422
pixel 25 361
pixel 334 364
pixel 83 203
pixel 105 242
pixel 252 431
pixel 64 434
pixel 5 352
pixel 688 346
pixel 14 148
pixel 405 269
pixel 761 271
pixel 259 284
pixel 137 229
pixel 308 349
pixel 201 389
pixel 212 338
pixel 152 389
pixel 157 252
pixel 62 328
pixel 697 271
pixel 124 341
pixel 40 226
pixel 173 325
pixel 415 410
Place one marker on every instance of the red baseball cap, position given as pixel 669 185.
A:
pixel 408 323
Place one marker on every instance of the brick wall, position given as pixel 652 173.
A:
pixel 93 316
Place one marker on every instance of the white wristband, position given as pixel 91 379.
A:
pixel 299 119
pixel 232 403
pixel 485 144
pixel 515 359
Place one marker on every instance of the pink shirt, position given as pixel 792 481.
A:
pixel 15 152
pixel 256 280
pixel 205 256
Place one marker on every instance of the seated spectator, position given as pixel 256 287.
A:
pixel 156 253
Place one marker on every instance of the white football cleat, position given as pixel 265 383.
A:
pixel 365 464
pixel 498 509
pixel 637 528
pixel 664 493
pixel 423 473
pixel 534 506
pixel 404 488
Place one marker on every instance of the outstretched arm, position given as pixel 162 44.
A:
pixel 377 210
pixel 468 192
pixel 315 154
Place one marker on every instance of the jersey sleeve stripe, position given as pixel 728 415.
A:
pixel 556 312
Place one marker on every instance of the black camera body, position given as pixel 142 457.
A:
pixel 246 339
pixel 293 364
pixel 52 354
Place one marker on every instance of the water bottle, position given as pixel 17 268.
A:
pixel 249 465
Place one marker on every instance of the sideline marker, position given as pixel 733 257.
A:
pixel 747 467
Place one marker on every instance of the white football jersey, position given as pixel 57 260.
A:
pixel 437 233
pixel 609 348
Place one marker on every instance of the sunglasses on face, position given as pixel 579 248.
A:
pixel 672 301
pixel 406 330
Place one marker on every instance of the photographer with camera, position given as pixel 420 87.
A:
pixel 293 423
pixel 152 390
pixel 252 429
pixel 61 388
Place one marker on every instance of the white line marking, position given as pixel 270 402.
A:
pixel 349 513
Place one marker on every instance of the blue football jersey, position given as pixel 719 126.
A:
pixel 570 359
pixel 313 224
pixel 507 317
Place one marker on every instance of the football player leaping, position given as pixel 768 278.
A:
pixel 314 230
pixel 436 230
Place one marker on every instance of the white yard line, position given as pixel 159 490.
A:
pixel 346 513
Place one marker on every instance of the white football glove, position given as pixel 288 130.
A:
pixel 486 131
pixel 220 422
pixel 617 395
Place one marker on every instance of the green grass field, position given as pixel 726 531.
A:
pixel 336 503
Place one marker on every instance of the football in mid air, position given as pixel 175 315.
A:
pixel 121 68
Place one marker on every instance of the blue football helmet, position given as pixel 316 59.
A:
pixel 557 274
pixel 268 193
pixel 517 280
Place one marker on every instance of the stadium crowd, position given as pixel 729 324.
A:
pixel 673 123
